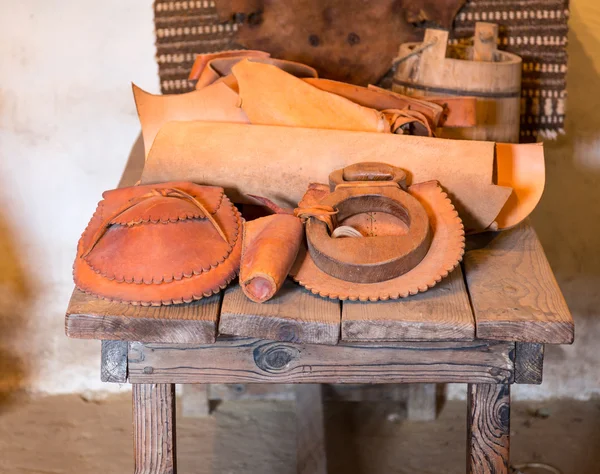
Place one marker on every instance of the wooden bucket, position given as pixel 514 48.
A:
pixel 434 68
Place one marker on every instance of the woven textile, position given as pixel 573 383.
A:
pixel 536 30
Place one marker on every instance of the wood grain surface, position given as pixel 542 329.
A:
pixel 529 362
pixel 113 361
pixel 488 428
pixel 89 317
pixel 441 313
pixel 254 360
pixel 311 457
pixel 154 428
pixel 513 291
pixel 293 315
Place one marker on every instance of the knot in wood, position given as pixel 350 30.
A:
pixel 288 333
pixel 274 357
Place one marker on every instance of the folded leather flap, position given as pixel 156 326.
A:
pixel 270 247
pixel 209 196
pixel 149 234
pixel 202 61
pixel 158 253
pixel 522 168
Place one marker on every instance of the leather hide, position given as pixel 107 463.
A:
pixel 348 40
pixel 160 244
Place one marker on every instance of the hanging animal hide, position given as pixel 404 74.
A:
pixel 347 40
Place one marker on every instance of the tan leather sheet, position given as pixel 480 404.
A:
pixel 280 162
pixel 271 96
pixel 264 93
pixel 216 103
pixel 522 168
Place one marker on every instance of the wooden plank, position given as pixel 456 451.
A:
pixel 154 428
pixel 529 363
pixel 293 315
pixel 422 402
pixel 89 317
pixel 255 360
pixel 514 293
pixel 113 365
pixel 194 400
pixel 311 457
pixel 488 428
pixel 442 313
pixel 485 41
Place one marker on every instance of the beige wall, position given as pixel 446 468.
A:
pixel 67 121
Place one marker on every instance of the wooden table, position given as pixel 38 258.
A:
pixel 484 325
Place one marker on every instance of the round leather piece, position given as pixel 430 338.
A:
pixel 445 252
pixel 158 260
pixel 372 258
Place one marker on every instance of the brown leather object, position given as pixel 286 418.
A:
pixel 365 258
pixel 160 244
pixel 215 103
pixel 445 252
pixel 349 40
pixel 270 247
pixel 271 96
pixel 205 69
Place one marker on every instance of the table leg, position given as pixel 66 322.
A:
pixel 154 428
pixel 310 430
pixel 422 402
pixel 195 402
pixel 488 428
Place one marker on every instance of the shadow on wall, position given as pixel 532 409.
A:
pixel 16 297
pixel 568 218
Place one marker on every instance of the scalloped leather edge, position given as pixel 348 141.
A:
pixel 414 289
pixel 197 215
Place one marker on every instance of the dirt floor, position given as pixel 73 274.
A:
pixel 68 435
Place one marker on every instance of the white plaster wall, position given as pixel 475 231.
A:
pixel 67 122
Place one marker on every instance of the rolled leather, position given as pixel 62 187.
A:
pixel 264 160
pixel 270 247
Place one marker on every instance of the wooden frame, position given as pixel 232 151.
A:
pixel 487 329
pixel 155 368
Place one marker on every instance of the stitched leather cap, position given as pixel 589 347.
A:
pixel 160 244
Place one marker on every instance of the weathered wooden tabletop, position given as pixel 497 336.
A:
pixel 503 291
